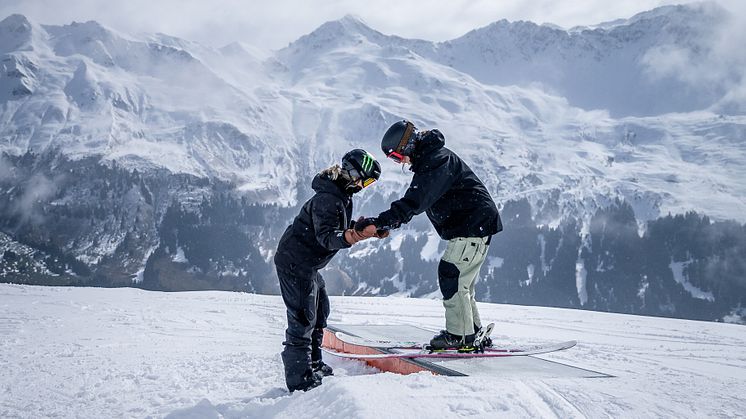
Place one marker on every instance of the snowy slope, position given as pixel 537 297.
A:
pixel 87 352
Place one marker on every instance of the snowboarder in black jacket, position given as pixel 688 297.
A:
pixel 322 228
pixel 462 212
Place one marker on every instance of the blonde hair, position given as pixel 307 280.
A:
pixel 334 172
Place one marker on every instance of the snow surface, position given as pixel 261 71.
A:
pixel 92 352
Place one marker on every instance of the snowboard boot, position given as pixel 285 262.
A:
pixel 446 340
pixel 310 379
pixel 322 368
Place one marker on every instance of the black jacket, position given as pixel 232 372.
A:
pixel 443 186
pixel 317 233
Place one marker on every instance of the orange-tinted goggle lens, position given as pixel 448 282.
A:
pixel 368 181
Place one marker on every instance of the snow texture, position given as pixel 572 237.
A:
pixel 91 352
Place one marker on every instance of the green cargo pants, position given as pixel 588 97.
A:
pixel 457 274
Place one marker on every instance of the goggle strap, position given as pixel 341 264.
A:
pixel 405 137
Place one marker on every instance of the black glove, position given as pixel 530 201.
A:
pixel 381 232
pixel 353 222
pixel 365 222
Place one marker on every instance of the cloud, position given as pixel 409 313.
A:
pixel 38 190
pixel 717 61
pixel 729 58
pixel 274 24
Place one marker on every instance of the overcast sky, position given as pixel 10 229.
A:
pixel 272 24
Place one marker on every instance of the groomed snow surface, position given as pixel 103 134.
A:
pixel 104 353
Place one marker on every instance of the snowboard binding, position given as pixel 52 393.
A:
pixel 481 340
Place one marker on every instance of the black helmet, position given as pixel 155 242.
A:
pixel 360 165
pixel 398 140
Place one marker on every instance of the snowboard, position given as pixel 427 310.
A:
pixel 489 352
pixel 483 334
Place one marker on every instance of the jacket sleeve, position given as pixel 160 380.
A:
pixel 325 214
pixel 426 188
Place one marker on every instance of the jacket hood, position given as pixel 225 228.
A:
pixel 430 142
pixel 322 183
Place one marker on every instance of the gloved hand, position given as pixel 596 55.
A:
pixel 370 231
pixel 363 223
pixel 353 236
pixel 381 233
pixel 354 222
pixel 369 226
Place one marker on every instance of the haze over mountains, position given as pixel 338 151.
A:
pixel 159 160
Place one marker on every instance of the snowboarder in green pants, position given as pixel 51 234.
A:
pixel 462 212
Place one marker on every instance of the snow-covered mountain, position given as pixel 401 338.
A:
pixel 88 352
pixel 152 157
pixel 263 122
pixel 626 67
pixel 148 103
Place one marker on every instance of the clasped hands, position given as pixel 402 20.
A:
pixel 365 228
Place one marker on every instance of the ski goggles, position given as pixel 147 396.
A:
pixel 369 181
pixel 366 181
pixel 397 157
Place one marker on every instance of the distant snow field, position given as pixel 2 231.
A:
pixel 88 352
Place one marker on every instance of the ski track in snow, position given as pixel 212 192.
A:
pixel 88 352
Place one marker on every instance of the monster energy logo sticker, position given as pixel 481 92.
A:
pixel 367 162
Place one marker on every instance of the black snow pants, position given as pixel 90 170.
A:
pixel 307 305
